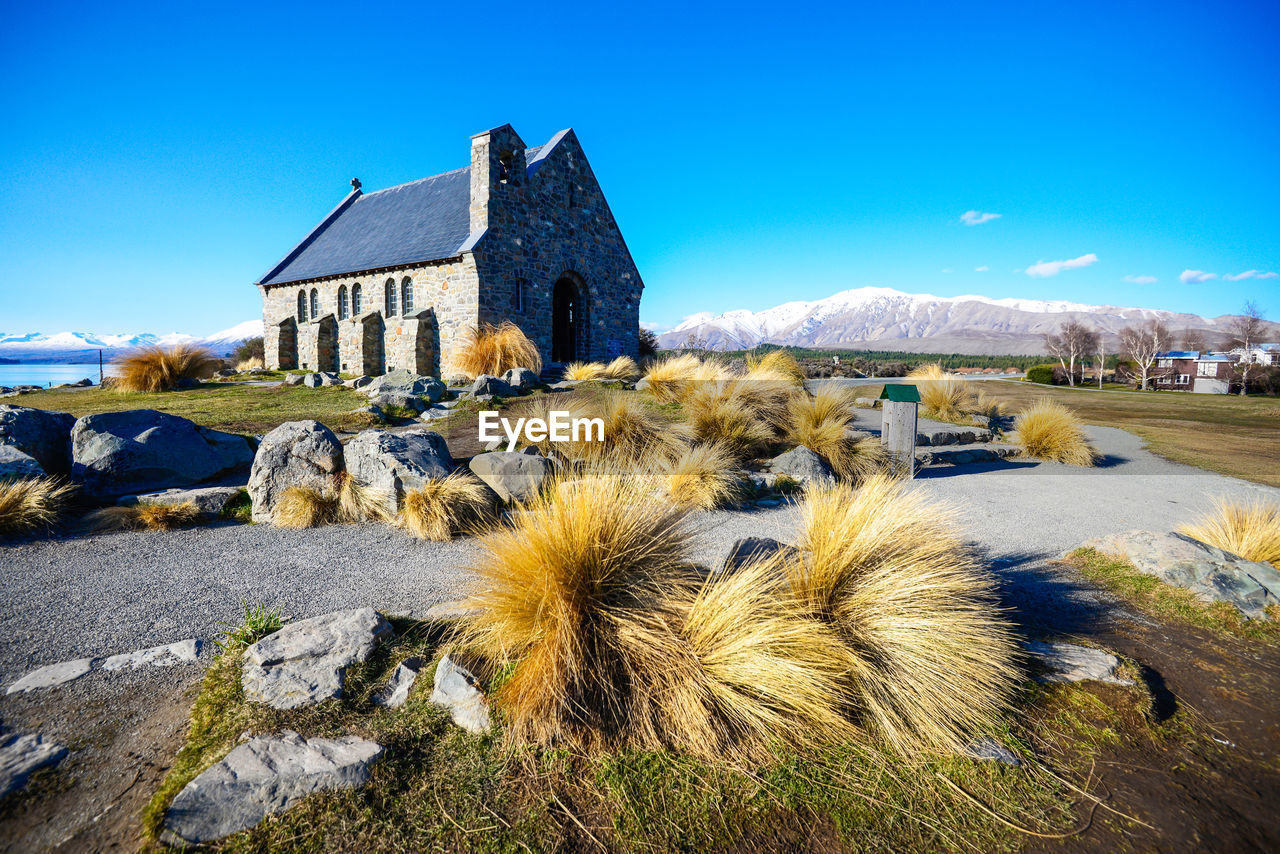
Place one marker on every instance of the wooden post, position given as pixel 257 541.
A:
pixel 100 369
pixel 898 434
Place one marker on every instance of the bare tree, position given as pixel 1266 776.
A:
pixel 1071 343
pixel 1245 333
pixel 1143 343
pixel 1194 340
pixel 1102 357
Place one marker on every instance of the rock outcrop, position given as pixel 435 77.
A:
pixel 297 453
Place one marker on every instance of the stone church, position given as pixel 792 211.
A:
pixel 395 279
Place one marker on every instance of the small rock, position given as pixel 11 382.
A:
pixel 642 384
pixel 450 611
pixel 182 652
pixel 395 693
pixel 294 379
pixel 457 690
pixel 511 474
pixel 989 750
pixel 209 500
pixel 804 466
pixel 358 382
pixel 435 413
pixel 522 380
pixel 570 385
pixel 488 385
pixel 52 675
pixel 306 662
pixel 312 380
pixel 22 754
pixel 264 776
pixel 1069 662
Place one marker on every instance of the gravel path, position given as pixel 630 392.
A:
pixel 109 593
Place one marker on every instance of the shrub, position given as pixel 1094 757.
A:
pixel 31 503
pixel 249 350
pixel 944 396
pixel 251 364
pixel 622 368
pixel 144 517
pixel 579 371
pixel 304 507
pixel 933 662
pixel 444 507
pixel 703 476
pixel 1248 529
pixel 1050 431
pixel 821 423
pixel 726 413
pixel 633 432
pixel 1042 374
pixel 153 369
pixel 360 503
pixel 669 379
pixel 494 350
pixel 648 343
pixel 776 365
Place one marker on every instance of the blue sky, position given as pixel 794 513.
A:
pixel 160 157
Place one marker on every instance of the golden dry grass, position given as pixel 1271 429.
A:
pixel 494 350
pixel 444 507
pixel 821 422
pixel 154 369
pixel 360 503
pixel 776 365
pixel 672 380
pixel 703 476
pixel 944 396
pixel 580 371
pixel 728 413
pixel 31 503
pixel 1250 529
pixel 633 432
pixel 303 507
pixel 887 569
pixel 1051 431
pixel 144 517
pixel 253 363
pixel 622 368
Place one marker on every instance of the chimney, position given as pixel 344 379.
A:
pixel 497 171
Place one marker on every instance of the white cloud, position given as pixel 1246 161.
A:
pixel 1195 277
pixel 948 270
pixel 984 268
pixel 1250 274
pixel 977 217
pixel 1044 269
pixel 653 327
pixel 1141 280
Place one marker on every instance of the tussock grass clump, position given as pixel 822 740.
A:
pixel 728 414
pixel 776 365
pixel 821 422
pixel 447 506
pixel 31 503
pixel 360 503
pixel 583 371
pixel 943 396
pixel 886 568
pixel 1249 529
pixel 633 432
pixel 144 517
pixel 622 368
pixel 1051 431
pixel 672 380
pixel 253 363
pixel 494 350
pixel 152 369
pixel 703 476
pixel 303 507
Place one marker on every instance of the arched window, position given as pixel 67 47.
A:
pixel 357 304
pixel 302 306
pixel 315 303
pixel 389 307
pixel 406 296
pixel 342 302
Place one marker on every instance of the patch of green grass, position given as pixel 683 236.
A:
pixel 238 509
pixel 395 412
pixel 1152 595
pixel 258 623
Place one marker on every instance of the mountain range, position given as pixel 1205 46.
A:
pixel 887 319
pixel 81 347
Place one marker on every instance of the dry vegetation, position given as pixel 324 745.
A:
pixel 155 369
pixel 494 350
pixel 1248 529
pixel 445 507
pixel 622 368
pixel 703 476
pixel 345 499
pixel 1051 431
pixel 29 504
pixel 821 422
pixel 144 517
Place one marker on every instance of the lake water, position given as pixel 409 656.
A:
pixel 46 375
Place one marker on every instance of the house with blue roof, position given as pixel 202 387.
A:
pixel 399 277
pixel 1191 370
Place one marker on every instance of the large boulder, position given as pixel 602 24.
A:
pixel 404 382
pixel 14 464
pixel 263 776
pixel 209 500
pixel 522 380
pixel 297 453
pixel 1210 573
pixel 142 450
pixel 515 476
pixel 395 463
pixel 401 399
pixel 39 433
pixel 803 465
pixel 306 662
pixel 487 386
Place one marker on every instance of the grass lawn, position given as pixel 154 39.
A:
pixel 439 788
pixel 235 408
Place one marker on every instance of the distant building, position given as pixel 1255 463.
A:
pixel 1190 370
pixel 398 277
pixel 1260 354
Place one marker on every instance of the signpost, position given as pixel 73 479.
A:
pixel 898 426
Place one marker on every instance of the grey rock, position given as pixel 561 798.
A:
pixel 642 384
pixel 297 453
pixel 52 675
pixel 264 776
pixel 1212 574
pixel 568 385
pixel 455 610
pixel 223 373
pixel 404 382
pixel 209 500
pixel 294 379
pixel 15 464
pixel 306 662
pixel 1069 662
pixel 751 549
pixel 511 474
pixel 522 380
pixel 456 689
pixel 937 436
pixel 168 655
pixel 435 413
pixel 866 403
pixel 358 382
pixel 395 693
pixel 22 754
pixel 142 450
pixel 328 378
pixel 987 749
pixel 401 399
pixel 856 435
pixel 804 466
pixel 39 433
pixel 486 384
pixel 395 463
pixel 312 380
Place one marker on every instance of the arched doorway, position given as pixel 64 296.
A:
pixel 372 344
pixel 566 316
pixel 287 345
pixel 327 344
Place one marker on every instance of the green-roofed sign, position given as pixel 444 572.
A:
pixel 904 392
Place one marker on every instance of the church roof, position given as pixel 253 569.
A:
pixel 424 220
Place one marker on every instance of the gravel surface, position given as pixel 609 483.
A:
pixel 111 593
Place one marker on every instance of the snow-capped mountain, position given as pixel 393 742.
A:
pixel 84 346
pixel 887 319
